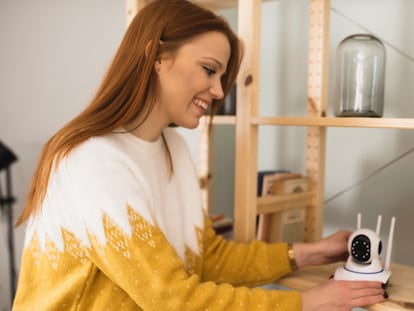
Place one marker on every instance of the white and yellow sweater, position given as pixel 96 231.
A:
pixel 116 233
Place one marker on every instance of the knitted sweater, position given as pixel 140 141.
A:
pixel 117 232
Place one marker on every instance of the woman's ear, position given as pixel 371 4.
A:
pixel 157 65
pixel 158 59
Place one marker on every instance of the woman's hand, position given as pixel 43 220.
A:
pixel 334 295
pixel 342 295
pixel 328 250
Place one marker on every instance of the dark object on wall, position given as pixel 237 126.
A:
pixel 229 105
pixel 360 77
pixel 7 157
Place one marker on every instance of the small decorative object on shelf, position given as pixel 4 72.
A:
pixel 222 224
pixel 364 262
pixel 360 77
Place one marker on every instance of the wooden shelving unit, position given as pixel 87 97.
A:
pixel 395 123
pixel 248 120
pixel 247 205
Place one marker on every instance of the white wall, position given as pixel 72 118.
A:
pixel 52 56
pixel 54 52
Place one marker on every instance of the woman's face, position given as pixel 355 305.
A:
pixel 191 79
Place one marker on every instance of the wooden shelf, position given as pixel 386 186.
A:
pixel 216 5
pixel 276 203
pixel 219 4
pixel 400 287
pixel 220 119
pixel 397 123
pixel 388 123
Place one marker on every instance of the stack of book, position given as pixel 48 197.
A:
pixel 287 225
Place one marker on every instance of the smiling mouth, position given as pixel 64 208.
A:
pixel 200 103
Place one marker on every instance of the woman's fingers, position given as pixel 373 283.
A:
pixel 363 284
pixel 366 293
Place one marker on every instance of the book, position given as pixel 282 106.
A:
pixel 272 183
pixel 261 176
pixel 266 184
pixel 285 225
pixel 290 185
pixel 289 225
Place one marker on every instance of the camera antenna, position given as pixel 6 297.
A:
pixel 379 220
pixel 359 221
pixel 389 248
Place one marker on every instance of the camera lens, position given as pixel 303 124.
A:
pixel 361 248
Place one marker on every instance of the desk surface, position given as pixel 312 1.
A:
pixel 400 287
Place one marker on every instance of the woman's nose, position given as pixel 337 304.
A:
pixel 216 89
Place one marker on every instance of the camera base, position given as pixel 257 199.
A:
pixel 343 273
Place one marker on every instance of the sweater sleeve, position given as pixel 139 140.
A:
pixel 151 273
pixel 262 263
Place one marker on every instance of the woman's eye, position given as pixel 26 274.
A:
pixel 209 71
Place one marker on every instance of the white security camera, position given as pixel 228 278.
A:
pixel 364 261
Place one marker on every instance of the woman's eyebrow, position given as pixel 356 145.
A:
pixel 215 61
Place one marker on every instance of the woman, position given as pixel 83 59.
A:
pixel 114 215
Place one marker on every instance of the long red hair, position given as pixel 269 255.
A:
pixel 130 86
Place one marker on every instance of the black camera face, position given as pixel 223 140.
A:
pixel 361 248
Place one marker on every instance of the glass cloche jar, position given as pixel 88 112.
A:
pixel 360 75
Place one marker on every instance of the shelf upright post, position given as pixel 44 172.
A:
pixel 316 106
pixel 205 155
pixel 245 198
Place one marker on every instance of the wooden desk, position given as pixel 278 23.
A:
pixel 400 287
